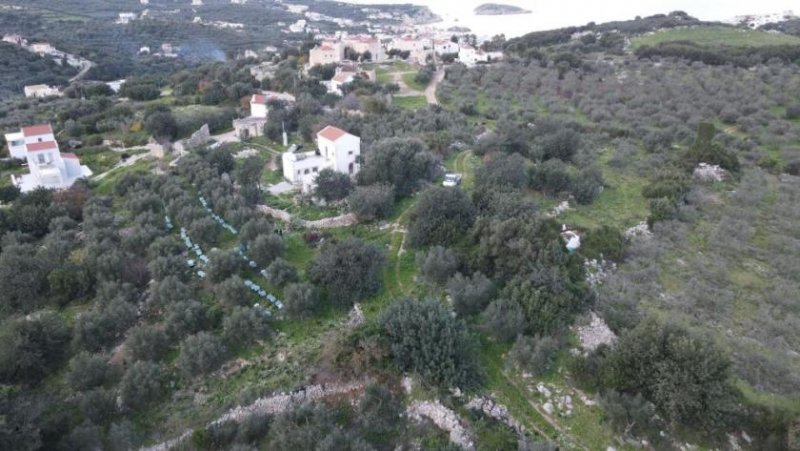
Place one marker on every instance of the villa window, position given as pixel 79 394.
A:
pixel 40 158
pixel 305 172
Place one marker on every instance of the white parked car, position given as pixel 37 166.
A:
pixel 452 180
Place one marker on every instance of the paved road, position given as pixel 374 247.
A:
pixel 84 69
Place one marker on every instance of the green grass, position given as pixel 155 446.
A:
pixel 620 205
pixel 106 185
pixel 410 102
pixel 383 75
pixel 716 37
pixel 409 79
pixel 271 177
pixel 99 159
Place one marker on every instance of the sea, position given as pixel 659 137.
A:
pixel 549 14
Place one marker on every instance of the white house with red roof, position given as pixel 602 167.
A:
pixel 49 168
pixel 336 150
pixel 253 125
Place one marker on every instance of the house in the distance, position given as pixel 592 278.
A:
pixel 253 125
pixel 347 73
pixel 14 39
pixel 365 44
pixel 470 56
pixel 49 168
pixel 445 46
pixel 336 150
pixel 40 91
pixel 326 53
pixel 42 48
pixel 126 18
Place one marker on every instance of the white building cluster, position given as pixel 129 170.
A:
pixel 49 168
pixel 336 150
pixel 420 47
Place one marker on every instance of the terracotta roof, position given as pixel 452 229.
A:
pixel 259 98
pixel 342 77
pixel 34 130
pixel 69 155
pixel 46 145
pixel 331 133
pixel 364 39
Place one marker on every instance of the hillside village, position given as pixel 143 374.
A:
pixel 257 224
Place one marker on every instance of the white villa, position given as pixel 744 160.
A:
pixel 49 168
pixel 336 149
pixel 40 91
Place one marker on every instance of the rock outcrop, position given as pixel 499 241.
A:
pixel 445 419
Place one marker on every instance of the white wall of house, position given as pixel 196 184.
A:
pixel 258 109
pixel 46 165
pixel 16 145
pixel 341 155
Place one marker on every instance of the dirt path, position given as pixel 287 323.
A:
pixel 405 90
pixel 430 91
pixel 572 442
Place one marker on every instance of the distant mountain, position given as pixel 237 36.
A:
pixel 498 9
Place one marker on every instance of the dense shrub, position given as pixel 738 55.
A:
pixel 87 371
pixel 142 384
pixel 426 339
pixel 470 295
pixel 534 355
pixel 686 376
pixel 147 342
pixel 201 353
pixel 441 216
pixel 399 162
pixel 332 185
pixel 348 271
pixel 280 272
pixel 437 265
pixel 31 347
pixel 371 202
pixel 301 300
pixel 244 326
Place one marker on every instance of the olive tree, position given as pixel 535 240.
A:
pixel 349 270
